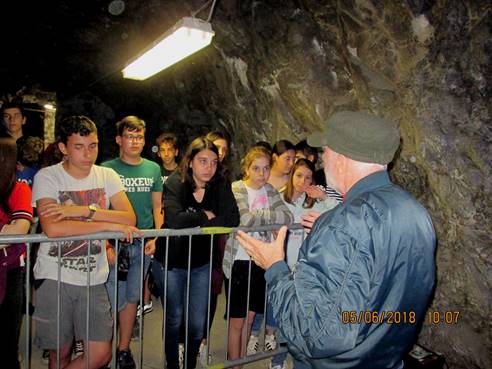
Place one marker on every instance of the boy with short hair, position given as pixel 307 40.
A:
pixel 167 150
pixel 13 118
pixel 73 199
pixel 143 183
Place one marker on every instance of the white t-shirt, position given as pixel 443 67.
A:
pixel 297 236
pixel 97 188
pixel 257 200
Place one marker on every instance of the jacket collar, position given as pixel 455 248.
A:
pixel 369 183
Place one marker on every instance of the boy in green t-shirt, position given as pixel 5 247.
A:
pixel 143 184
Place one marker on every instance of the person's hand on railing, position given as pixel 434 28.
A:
pixel 308 219
pixel 264 254
pixel 149 247
pixel 126 229
pixel 61 212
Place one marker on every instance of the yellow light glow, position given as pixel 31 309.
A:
pixel 187 37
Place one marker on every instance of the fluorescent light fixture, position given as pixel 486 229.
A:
pixel 187 37
pixel 49 106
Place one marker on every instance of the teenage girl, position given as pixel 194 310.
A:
pixel 259 203
pixel 15 218
pixel 283 158
pixel 195 196
pixel 301 195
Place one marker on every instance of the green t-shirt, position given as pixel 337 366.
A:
pixel 140 181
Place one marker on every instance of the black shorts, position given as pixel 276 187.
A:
pixel 239 289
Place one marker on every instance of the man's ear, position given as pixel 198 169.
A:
pixel 62 148
pixel 118 140
pixel 341 163
pixel 24 120
pixel 176 152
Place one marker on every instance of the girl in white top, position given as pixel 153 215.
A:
pixel 301 195
pixel 259 204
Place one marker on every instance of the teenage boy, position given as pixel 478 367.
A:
pixel 167 151
pixel 167 146
pixel 13 119
pixel 143 183
pixel 73 199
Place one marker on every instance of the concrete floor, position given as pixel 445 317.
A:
pixel 152 357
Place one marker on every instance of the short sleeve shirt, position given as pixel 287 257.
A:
pixel 19 203
pixel 96 189
pixel 140 181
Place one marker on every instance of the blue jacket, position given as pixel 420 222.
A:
pixel 373 253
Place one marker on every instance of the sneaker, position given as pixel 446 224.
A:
pixel 202 356
pixel 270 342
pixel 148 308
pixel 253 345
pixel 46 356
pixel 125 360
pixel 78 348
pixel 181 351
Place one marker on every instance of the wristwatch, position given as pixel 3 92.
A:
pixel 92 210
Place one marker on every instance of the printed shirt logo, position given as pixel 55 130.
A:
pixel 137 184
pixel 74 253
pixel 260 202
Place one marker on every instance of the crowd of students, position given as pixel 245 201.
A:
pixel 75 197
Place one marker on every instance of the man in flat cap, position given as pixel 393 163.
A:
pixel 361 286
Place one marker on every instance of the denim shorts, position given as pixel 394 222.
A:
pixel 129 291
pixel 73 314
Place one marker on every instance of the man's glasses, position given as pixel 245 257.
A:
pixel 138 138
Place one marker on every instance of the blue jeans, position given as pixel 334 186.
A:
pixel 175 309
pixel 271 324
pixel 129 291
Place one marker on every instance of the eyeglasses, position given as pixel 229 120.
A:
pixel 134 137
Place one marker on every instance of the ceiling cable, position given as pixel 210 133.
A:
pixel 211 11
pixel 203 7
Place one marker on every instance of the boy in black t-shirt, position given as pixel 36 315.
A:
pixel 167 150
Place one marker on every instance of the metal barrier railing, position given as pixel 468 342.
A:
pixel 6 240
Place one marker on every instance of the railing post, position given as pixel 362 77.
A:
pixel 88 304
pixel 27 360
pixel 142 303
